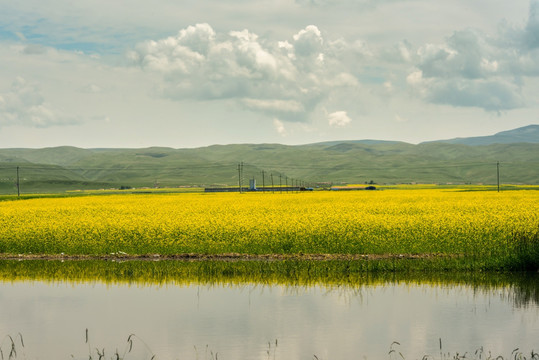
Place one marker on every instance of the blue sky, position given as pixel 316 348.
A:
pixel 195 73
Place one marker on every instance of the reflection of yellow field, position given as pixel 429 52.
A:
pixel 362 222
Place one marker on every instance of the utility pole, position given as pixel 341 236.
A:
pixel 18 184
pixel 280 183
pixel 241 182
pixel 272 188
pixel 498 174
pixel 286 179
pixel 239 178
pixel 263 182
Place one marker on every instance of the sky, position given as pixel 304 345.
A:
pixel 192 73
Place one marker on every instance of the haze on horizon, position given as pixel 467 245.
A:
pixel 134 74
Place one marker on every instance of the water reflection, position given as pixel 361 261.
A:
pixel 260 310
pixel 521 288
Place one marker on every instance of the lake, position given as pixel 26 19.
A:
pixel 237 318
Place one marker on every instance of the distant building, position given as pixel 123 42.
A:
pixel 352 188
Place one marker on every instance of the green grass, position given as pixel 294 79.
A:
pixel 65 168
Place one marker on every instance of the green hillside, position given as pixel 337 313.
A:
pixel 68 168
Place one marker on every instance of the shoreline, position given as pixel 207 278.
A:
pixel 225 257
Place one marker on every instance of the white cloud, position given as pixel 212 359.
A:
pixel 279 127
pixel 287 79
pixel 388 86
pixel 361 4
pixel 464 54
pixel 308 42
pixel 91 89
pixel 34 49
pixel 532 28
pixel 471 69
pixel 401 52
pixel 24 105
pixel 489 94
pixel 400 119
pixel 276 106
pixel 260 57
pixel 339 119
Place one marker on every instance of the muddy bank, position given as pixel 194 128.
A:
pixel 221 257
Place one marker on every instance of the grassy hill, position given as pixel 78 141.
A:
pixel 67 168
pixel 458 161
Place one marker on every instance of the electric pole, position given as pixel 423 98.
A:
pixel 18 184
pixel 241 182
pixel 263 182
pixel 498 174
pixel 272 188
pixel 239 178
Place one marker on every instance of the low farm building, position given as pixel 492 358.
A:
pixel 352 188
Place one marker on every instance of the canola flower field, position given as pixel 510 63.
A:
pixel 500 229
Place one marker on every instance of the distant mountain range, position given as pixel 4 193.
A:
pixel 526 134
pixel 461 160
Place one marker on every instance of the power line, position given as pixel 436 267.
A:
pixel 88 168
pixel 18 183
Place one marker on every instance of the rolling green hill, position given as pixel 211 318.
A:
pixel 68 168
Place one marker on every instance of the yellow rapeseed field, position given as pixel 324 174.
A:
pixel 474 223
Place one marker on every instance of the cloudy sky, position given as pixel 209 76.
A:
pixel 192 73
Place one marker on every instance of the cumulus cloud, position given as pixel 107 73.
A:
pixel 339 119
pixel 532 29
pixel 468 54
pixel 287 78
pixel 495 94
pixel 293 77
pixel 308 42
pixel 276 106
pixel 362 4
pixel 491 95
pixel 24 105
pixel 401 52
pixel 471 69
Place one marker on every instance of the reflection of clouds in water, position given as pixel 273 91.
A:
pixel 239 321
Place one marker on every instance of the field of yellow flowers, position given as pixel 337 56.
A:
pixel 475 224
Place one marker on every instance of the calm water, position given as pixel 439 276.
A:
pixel 179 321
